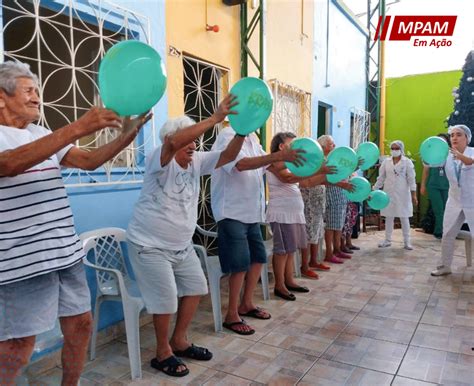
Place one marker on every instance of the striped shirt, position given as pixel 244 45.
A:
pixel 37 232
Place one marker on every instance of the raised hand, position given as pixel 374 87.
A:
pixel 98 118
pixel 325 169
pixel 225 108
pixel 291 155
pixel 134 125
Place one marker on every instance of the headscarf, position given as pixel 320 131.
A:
pixel 464 128
pixel 400 144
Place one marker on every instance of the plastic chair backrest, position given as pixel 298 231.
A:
pixel 107 252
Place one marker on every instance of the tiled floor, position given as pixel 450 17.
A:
pixel 379 319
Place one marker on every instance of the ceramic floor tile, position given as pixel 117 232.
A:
pixel 366 352
pixel 393 330
pixel 438 366
pixel 454 339
pixel 329 373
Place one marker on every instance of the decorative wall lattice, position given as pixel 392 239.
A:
pixel 291 109
pixel 64 41
pixel 360 127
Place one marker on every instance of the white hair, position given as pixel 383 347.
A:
pixel 10 71
pixel 467 131
pixel 173 125
pixel 324 139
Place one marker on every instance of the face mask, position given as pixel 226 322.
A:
pixel 396 153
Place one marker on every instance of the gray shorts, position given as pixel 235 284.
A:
pixel 30 307
pixel 163 276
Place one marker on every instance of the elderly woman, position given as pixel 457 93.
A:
pixel 336 205
pixel 397 177
pixel 41 273
pixel 285 213
pixel 460 205
pixel 161 230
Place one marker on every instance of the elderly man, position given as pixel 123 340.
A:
pixel 161 230
pixel 41 274
pixel 238 205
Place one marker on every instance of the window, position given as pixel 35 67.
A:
pixel 360 127
pixel 63 42
pixel 291 109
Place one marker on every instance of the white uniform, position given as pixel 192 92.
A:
pixel 460 204
pixel 398 181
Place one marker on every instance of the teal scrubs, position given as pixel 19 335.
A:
pixel 438 187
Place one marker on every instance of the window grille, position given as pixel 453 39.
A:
pixel 64 41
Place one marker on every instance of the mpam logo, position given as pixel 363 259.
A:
pixel 404 27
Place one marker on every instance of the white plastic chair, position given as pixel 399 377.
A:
pixel 466 236
pixel 214 272
pixel 297 259
pixel 115 284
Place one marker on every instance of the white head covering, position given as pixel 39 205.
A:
pixel 400 144
pixel 464 128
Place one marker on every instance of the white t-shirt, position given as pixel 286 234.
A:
pixel 285 204
pixel 238 195
pixel 165 215
pixel 37 234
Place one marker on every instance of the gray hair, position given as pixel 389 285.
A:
pixel 173 125
pixel 10 71
pixel 324 139
pixel 400 144
pixel 464 128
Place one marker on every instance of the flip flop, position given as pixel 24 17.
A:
pixel 170 366
pixel 230 326
pixel 195 352
pixel 256 313
pixel 288 296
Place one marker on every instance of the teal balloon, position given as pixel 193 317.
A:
pixel 255 105
pixel 434 151
pixel 132 78
pixel 345 160
pixel 361 191
pixel 370 152
pixel 314 157
pixel 378 200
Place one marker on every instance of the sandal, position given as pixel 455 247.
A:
pixel 298 288
pixel 231 326
pixel 257 313
pixel 170 366
pixel 195 352
pixel 288 296
pixel 321 267
pixel 308 273
pixel 354 248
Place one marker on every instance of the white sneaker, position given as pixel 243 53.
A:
pixel 408 247
pixel 441 271
pixel 385 244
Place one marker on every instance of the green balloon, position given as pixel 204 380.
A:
pixel 378 200
pixel 132 78
pixel 314 157
pixel 345 160
pixel 434 151
pixel 361 191
pixel 255 105
pixel 370 152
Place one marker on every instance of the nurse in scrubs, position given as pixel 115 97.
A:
pixel 397 177
pixel 460 206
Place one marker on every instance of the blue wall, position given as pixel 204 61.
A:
pixel 344 70
pixel 112 206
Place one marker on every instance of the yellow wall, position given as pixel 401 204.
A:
pixel 289 40
pixel 186 31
